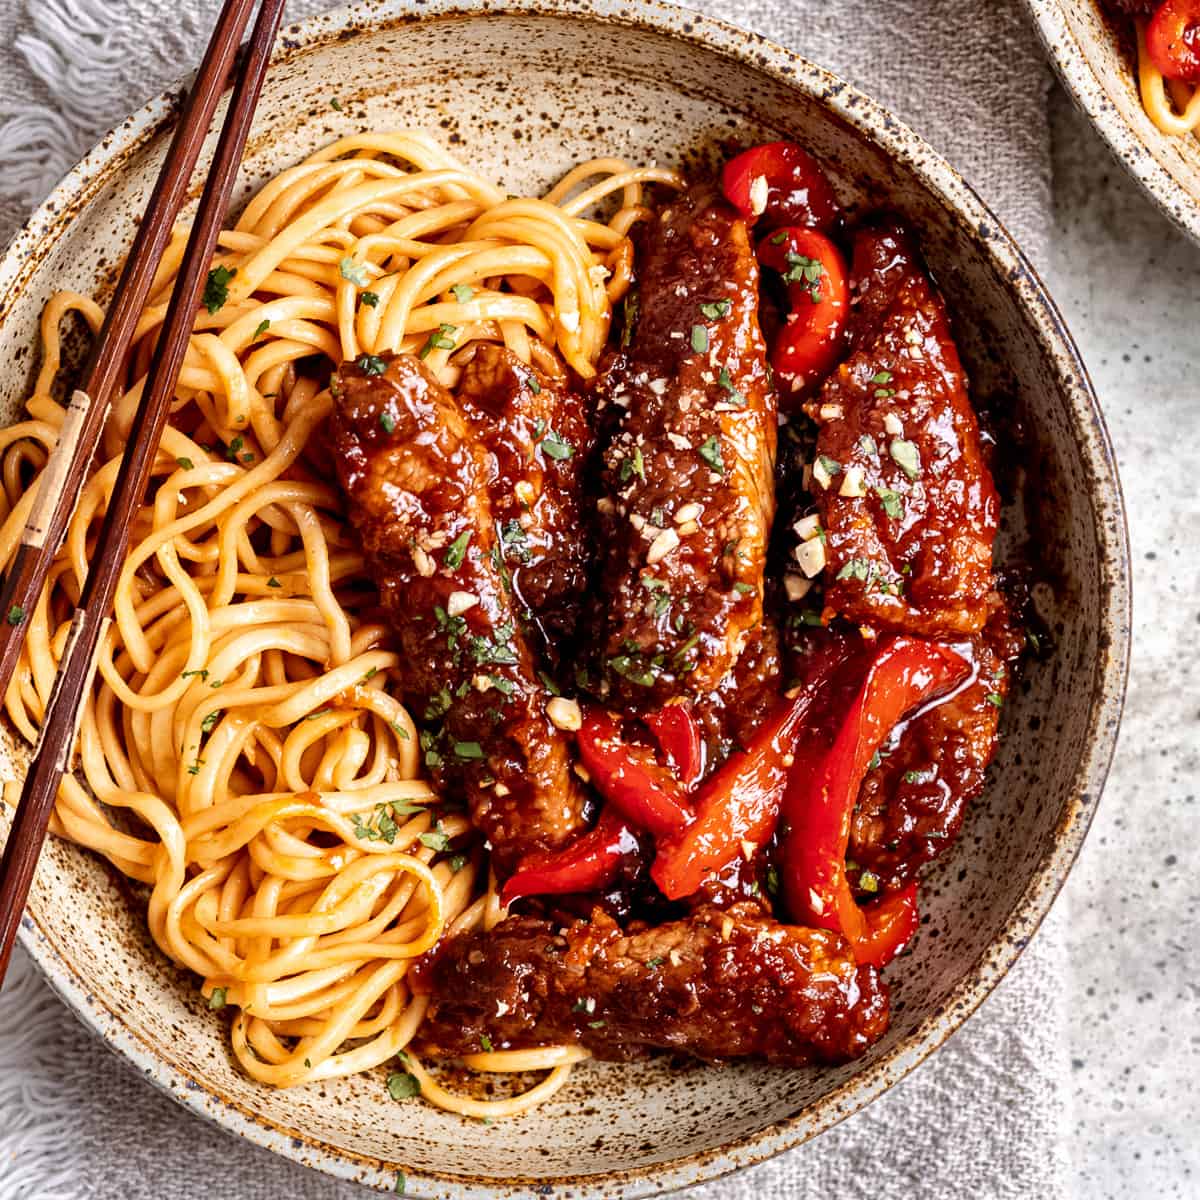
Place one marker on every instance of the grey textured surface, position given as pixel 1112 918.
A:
pixel 1129 286
pixel 1127 283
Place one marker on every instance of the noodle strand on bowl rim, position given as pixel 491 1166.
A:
pixel 240 753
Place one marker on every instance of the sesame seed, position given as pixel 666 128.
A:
pixel 688 512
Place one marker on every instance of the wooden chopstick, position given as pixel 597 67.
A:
pixel 63 477
pixel 91 620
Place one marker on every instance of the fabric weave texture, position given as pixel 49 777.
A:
pixel 985 1116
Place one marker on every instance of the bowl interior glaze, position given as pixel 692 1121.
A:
pixel 522 96
pixel 1097 59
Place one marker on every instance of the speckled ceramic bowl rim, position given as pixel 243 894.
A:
pixel 1096 101
pixel 95 171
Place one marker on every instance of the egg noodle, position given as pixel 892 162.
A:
pixel 1174 106
pixel 241 752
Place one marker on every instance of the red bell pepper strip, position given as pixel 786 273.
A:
pixel 811 341
pixel 629 778
pixel 589 864
pixel 675 729
pixel 891 924
pixel 823 788
pixel 738 807
pixel 781 183
pixel 1173 40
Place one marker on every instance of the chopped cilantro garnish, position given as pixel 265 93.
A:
pixel 857 568
pixel 996 699
pixel 717 309
pixel 744 588
pixel 485 1042
pixel 867 445
pixel 370 299
pixel 635 672
pixel 631 465
pixel 468 750
pixel 806 271
pixel 882 377
pixel 557 447
pixel 458 550
pixel 263 326
pixel 217 998
pixel 370 364
pixel 274 583
pixel 387 422
pixel 462 292
pixel 185 463
pixel 356 273
pixel 216 288
pixel 434 839
pixel 710 451
pixel 402 1086
pixel 335 104
pixel 892 504
pixel 441 339
pixel 16 615
pixel 210 722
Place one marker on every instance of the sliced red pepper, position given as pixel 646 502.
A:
pixel 823 787
pixel 737 808
pixel 812 339
pixel 891 924
pixel 589 864
pixel 678 735
pixel 782 184
pixel 1173 40
pixel 628 777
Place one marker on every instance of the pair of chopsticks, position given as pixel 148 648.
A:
pixel 63 477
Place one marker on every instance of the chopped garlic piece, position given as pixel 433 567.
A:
pixel 564 714
pixel 811 557
pixel 662 546
pixel 689 512
pixel 758 194
pixel 852 483
pixel 460 602
pixel 820 474
pixel 831 412
pixel 808 527
pixel 893 425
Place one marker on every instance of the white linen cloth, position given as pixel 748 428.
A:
pixel 985 1117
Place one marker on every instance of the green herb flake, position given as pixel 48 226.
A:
pixel 210 722
pixel 857 568
pixel 402 1086
pixel 387 422
pixel 892 504
pixel 654 963
pixel 187 674
pixel 486 1043
pixel 468 750
pixel 633 464
pixel 831 465
pixel 370 299
pixel 457 863
pixel 710 451
pixel 808 272
pixel 370 364
pixel 906 457
pixel 435 840
pixel 629 668
pixel 629 318
pixel 995 699
pixel 274 583
pixel 263 326
pixel 557 447
pixel 868 881
pixel 216 288
pixel 717 309
pixel 217 999
pixel 458 550
pixel 882 377
pixel 335 104
pixel 441 339
pixel 744 589
pixel 462 292
pixel 399 731
pixel 16 615
pixel 401 1183
pixel 597 1024
pixel 912 776
pixel 867 445
pixel 699 339
pixel 356 273
pixel 733 396
pixel 185 463
pixel 779 238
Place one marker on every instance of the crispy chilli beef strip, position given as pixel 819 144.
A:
pixel 912 803
pixel 905 498
pixel 416 479
pixel 539 437
pixel 687 494
pixel 717 984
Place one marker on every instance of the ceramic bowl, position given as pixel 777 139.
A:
pixel 523 94
pixel 1097 59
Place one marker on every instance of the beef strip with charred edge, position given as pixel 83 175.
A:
pixel 718 984
pixel 911 805
pixel 540 437
pixel 906 500
pixel 416 479
pixel 687 493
